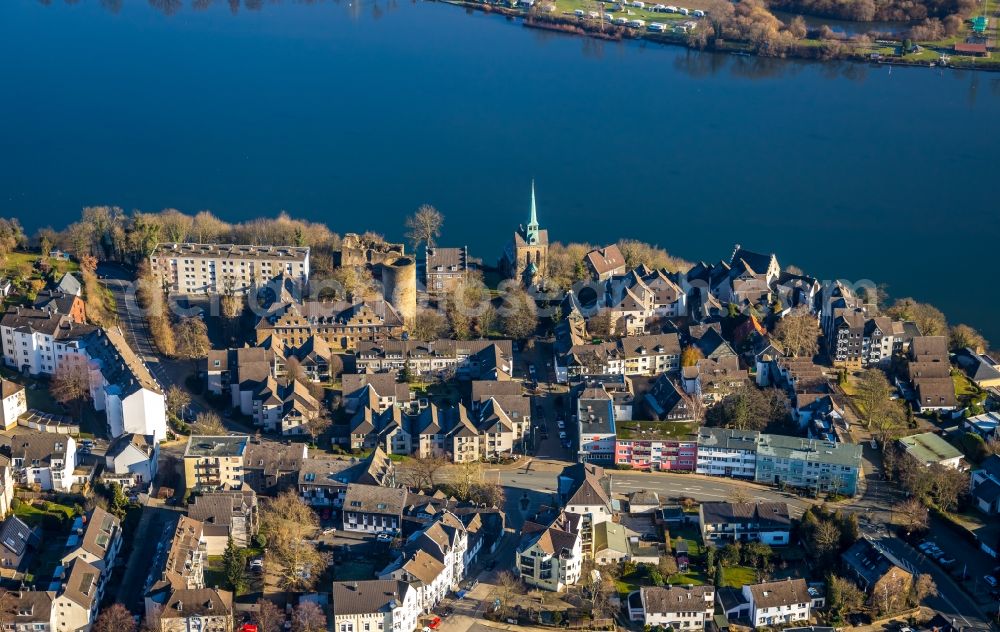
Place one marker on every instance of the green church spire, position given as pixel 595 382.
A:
pixel 532 232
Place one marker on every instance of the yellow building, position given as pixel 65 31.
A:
pixel 214 462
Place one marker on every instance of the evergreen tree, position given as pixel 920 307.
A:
pixel 234 561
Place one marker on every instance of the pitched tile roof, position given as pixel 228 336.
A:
pixel 365 597
pixel 780 593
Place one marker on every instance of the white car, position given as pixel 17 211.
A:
pixel 991 580
pixel 562 435
pixel 561 424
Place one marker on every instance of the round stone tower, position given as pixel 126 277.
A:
pixel 399 286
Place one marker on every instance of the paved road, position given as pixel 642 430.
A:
pixel 136 329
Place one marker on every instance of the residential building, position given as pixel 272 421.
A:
pixel 604 263
pixel 14 403
pixel 96 538
pixel 778 602
pixel 650 354
pixel 859 341
pixel 984 425
pixel 979 367
pixel 549 557
pixel 341 325
pixel 79 596
pixel 17 540
pixel 984 486
pixel 61 303
pixel 123 387
pixel 270 467
pixel 440 547
pixel 929 371
pixel 526 257
pixel 656 446
pixel 712 379
pixel 377 391
pixel 70 284
pixel 191 268
pixel 766 522
pixel 445 268
pixel 584 492
pixel 196 610
pixel 284 407
pixel 595 415
pixel 876 570
pixel 465 359
pixel 132 459
pixel 610 545
pixel 41 460
pixel 373 509
pixel 183 565
pixel 643 502
pixel 215 463
pixel 727 452
pixel 374 605
pixel 225 515
pixel 820 466
pixel 929 448
pixel 28 610
pixel 636 298
pixel 39 342
pixel 673 607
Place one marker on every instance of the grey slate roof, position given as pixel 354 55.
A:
pixel 15 535
pixel 364 597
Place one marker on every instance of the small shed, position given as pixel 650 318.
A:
pixel 975 50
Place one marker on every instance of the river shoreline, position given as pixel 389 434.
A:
pixel 571 26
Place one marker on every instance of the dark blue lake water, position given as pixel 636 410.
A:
pixel 356 113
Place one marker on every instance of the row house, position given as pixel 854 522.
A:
pixel 225 515
pixel 441 546
pixel 632 355
pixel 342 326
pixel 641 295
pixel 465 359
pixel 192 268
pixel 377 391
pixel 486 431
pixel 711 379
pixel 181 566
pixel 929 371
pixel 286 408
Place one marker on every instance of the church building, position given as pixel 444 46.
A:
pixel 526 256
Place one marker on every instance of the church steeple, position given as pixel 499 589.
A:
pixel 531 234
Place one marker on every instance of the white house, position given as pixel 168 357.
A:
pixel 42 459
pixel 123 386
pixel 581 488
pixel 771 604
pixel 132 458
pixel 79 596
pixel 929 448
pixel 96 539
pixel 30 610
pixel 14 401
pixel 550 558
pixel 374 605
pixel 723 522
pixel 674 607
pixel 38 341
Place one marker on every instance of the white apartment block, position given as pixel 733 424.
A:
pixel 191 268
pixel 42 459
pixel 726 452
pixel 38 342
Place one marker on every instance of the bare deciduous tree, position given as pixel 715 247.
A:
pixel 424 226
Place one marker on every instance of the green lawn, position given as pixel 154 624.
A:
pixel 738 576
pixel 34 514
pixel 654 429
pixel 215 572
pixel 350 571
pixel 964 388
pixel 19 259
pixel 696 578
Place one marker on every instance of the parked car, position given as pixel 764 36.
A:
pixel 562 435
pixel 990 580
pixel 561 424
pixel 947 560
pixel 383 537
